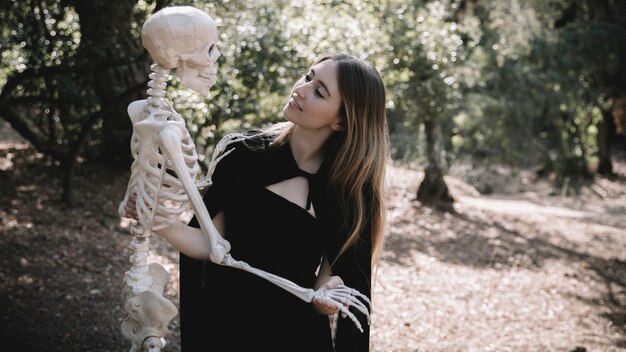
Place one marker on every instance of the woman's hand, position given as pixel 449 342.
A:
pixel 325 308
pixel 130 209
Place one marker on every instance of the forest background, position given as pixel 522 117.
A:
pixel 503 95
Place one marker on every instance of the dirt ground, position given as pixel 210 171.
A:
pixel 522 271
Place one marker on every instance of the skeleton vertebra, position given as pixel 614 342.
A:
pixel 165 180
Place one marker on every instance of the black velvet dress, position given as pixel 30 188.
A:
pixel 226 309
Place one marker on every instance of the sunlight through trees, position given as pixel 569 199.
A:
pixel 527 83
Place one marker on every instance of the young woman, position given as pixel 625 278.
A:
pixel 303 200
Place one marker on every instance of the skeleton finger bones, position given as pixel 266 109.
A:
pixel 344 297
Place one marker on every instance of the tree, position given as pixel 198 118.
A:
pixel 428 49
pixel 70 69
pixel 548 72
pixel 595 31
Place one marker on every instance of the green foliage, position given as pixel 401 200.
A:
pixel 43 39
pixel 509 81
pixel 545 67
pixel 266 46
pixel 67 75
pixel 426 52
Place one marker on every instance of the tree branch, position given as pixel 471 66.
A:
pixel 33 99
pixel 93 118
pixel 25 131
pixel 18 77
pixel 39 143
pixel 44 71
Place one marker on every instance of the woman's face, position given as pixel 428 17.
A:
pixel 315 101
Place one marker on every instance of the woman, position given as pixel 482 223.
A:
pixel 303 200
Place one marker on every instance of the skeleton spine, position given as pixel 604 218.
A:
pixel 157 84
pixel 136 278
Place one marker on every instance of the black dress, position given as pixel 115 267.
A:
pixel 226 309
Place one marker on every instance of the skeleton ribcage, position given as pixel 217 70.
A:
pixel 161 198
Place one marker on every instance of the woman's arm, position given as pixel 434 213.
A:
pixel 189 240
pixel 186 239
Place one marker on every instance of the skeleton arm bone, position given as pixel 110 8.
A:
pixel 170 138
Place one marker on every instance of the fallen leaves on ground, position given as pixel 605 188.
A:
pixel 506 272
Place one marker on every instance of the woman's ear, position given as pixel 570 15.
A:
pixel 338 125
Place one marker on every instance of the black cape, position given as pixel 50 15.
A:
pixel 226 309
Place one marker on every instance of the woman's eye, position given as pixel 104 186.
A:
pixel 211 49
pixel 307 78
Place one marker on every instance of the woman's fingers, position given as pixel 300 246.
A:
pixel 333 282
pixel 324 308
pixel 130 207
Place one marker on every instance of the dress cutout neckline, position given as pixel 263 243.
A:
pixel 289 169
pixel 310 177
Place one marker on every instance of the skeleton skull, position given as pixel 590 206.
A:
pixel 184 38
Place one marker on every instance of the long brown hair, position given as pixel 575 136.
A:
pixel 361 150
pixel 362 154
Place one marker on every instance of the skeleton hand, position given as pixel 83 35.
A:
pixel 344 298
pixel 326 307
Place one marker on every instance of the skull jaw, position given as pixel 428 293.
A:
pixel 199 80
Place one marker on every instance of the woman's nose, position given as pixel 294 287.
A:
pixel 300 90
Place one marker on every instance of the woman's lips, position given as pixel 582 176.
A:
pixel 294 104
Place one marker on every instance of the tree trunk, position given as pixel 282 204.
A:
pixel 606 129
pixel 106 30
pixel 618 110
pixel 570 165
pixel 433 189
pixel 67 194
pixel 580 162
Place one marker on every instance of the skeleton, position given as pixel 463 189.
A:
pixel 165 177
